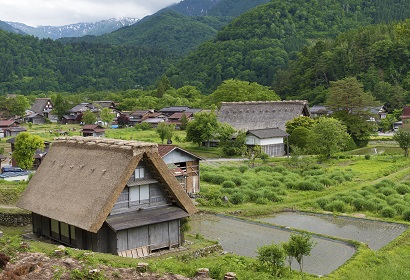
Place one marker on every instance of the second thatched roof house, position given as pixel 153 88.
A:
pixel 107 195
pixel 261 114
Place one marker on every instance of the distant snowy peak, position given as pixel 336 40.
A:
pixel 75 30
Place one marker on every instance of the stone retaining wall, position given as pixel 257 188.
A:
pixel 14 220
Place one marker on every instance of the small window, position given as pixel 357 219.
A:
pixel 139 173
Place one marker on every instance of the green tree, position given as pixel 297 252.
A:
pixel 351 104
pixel 25 147
pixel 184 122
pixel 403 138
pixel 16 106
pixel 107 116
pixel 254 152
pixel 299 137
pixel 298 246
pixel 231 142
pixel 273 257
pixel 60 106
pixel 236 90
pixel 301 121
pixel 163 85
pixel 165 131
pixel 328 137
pixel 88 117
pixel 202 128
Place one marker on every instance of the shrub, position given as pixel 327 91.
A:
pixel 402 189
pixel 384 183
pixel 339 178
pixel 228 184
pixel 238 198
pixel 262 201
pixel 367 157
pixel 387 191
pixel 359 204
pixel 336 206
pixel 388 212
pixel 406 215
pixel 243 168
pixel 237 180
pixel 400 208
pixel 275 183
pixel 322 202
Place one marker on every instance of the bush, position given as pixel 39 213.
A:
pixel 387 191
pixel 322 202
pixel 406 215
pixel 238 198
pixel 309 186
pixel 359 204
pixel 402 189
pixel 400 208
pixel 336 206
pixel 243 168
pixel 237 180
pixel 388 212
pixel 262 201
pixel 228 184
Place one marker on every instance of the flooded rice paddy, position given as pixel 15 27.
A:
pixel 244 237
pixel 375 234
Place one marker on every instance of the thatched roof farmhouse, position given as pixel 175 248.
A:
pixel 261 114
pixel 106 195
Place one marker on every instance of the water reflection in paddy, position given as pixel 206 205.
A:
pixel 376 234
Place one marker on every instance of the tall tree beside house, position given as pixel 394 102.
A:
pixel 351 105
pixel 163 85
pixel 88 117
pixel 107 116
pixel 60 105
pixel 165 131
pixel 184 122
pixel 403 138
pixel 202 128
pixel 328 137
pixel 25 147
pixel 301 121
pixel 14 106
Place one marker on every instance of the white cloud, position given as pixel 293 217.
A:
pixel 62 12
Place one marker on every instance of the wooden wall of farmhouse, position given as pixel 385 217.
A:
pixel 274 150
pixel 156 236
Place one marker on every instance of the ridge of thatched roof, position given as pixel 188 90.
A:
pixel 82 177
pixel 261 114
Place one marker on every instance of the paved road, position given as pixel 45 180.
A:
pixel 243 238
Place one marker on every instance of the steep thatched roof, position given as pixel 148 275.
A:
pixel 39 105
pixel 261 114
pixel 82 177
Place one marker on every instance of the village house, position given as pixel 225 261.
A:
pixel 10 128
pixel 107 195
pixel 405 119
pixel 94 130
pixel 42 106
pixel 176 118
pixel 168 111
pixel 261 114
pixel 184 165
pixel 35 118
pixel 271 140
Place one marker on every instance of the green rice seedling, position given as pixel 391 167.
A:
pixel 388 212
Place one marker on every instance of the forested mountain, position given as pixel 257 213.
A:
pixel 29 65
pixel 7 27
pixel 169 30
pixel 226 8
pixel 74 30
pixel 378 56
pixel 260 42
pixel 179 28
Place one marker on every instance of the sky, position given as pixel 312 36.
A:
pixel 64 12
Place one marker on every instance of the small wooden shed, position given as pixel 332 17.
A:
pixel 106 195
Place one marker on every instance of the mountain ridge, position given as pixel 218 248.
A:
pixel 79 29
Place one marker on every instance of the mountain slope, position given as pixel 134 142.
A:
pixel 75 30
pixel 7 27
pixel 260 42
